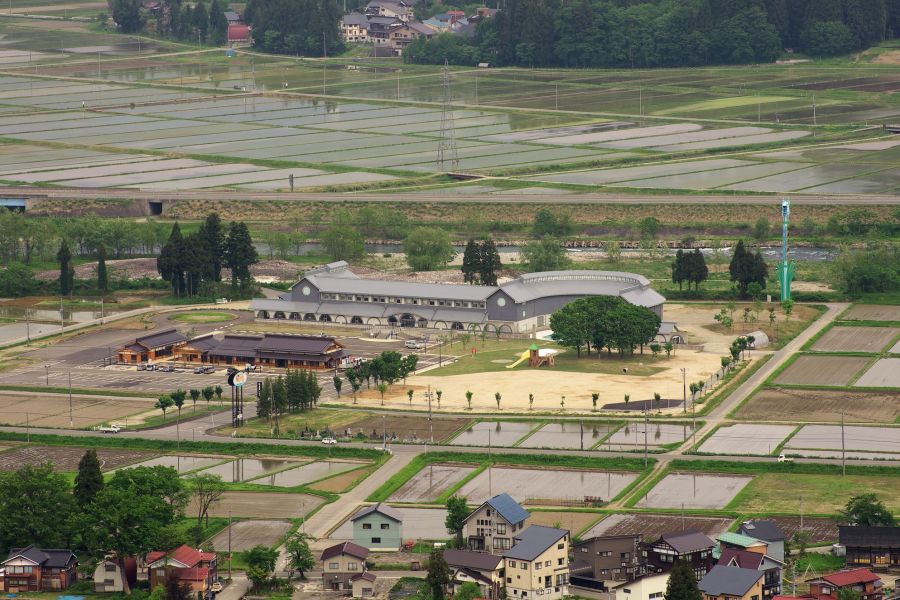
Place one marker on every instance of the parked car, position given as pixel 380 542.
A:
pixel 329 440
pixel 414 344
pixel 199 370
pixel 209 370
pixel 142 367
pixel 784 459
pixel 166 368
pixel 216 587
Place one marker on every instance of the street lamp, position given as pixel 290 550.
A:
pixel 684 389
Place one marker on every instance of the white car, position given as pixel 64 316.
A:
pixel 784 459
pixel 215 587
pixel 329 440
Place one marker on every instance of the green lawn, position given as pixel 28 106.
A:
pixel 319 418
pixel 202 316
pixel 505 353
pixel 822 494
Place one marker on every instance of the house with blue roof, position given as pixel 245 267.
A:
pixel 493 526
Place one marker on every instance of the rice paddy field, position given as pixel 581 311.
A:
pixel 90 110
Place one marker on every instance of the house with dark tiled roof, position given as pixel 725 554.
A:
pixel 767 531
pixel 150 347
pixel 190 566
pixel 32 569
pixel 484 570
pixel 340 564
pixel 492 526
pixel 874 547
pixel 690 546
pixel 378 527
pixel 745 559
pixel 731 583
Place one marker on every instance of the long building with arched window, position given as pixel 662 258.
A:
pixel 335 294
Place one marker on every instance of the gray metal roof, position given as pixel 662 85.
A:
pixel 236 345
pixel 51 558
pixel 733 581
pixel 634 288
pixel 473 560
pixel 762 529
pixel 508 508
pixel 161 338
pixel 380 287
pixel 388 511
pixel 689 541
pixel 356 19
pixel 534 541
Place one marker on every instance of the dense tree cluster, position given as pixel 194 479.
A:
pixel 306 27
pixel 869 271
pixel 481 261
pixel 689 267
pixel 174 19
pixel 295 391
pixel 545 255
pixel 193 264
pixel 746 269
pixel 388 367
pixel 604 322
pixel 662 33
pixel 427 248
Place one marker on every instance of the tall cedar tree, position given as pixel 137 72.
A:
pixel 66 270
pixel 169 262
pixel 679 269
pixel 240 254
pixel 89 480
pixel 697 271
pixel 200 21
pixel 747 268
pixel 218 28
pixel 470 262
pixel 438 574
pixel 102 276
pixel 682 584
pixel 489 262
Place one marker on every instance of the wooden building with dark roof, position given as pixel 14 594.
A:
pixel 153 346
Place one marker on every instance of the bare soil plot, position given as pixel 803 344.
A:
pixel 181 463
pixel 494 433
pixel 430 482
pixel 631 436
pixel 243 469
pixel 828 437
pixel 654 526
pixel 408 428
pixel 822 370
pixel 693 490
pixel 339 483
pixel 52 410
pixel 247 534
pixel 821 405
pixel 261 505
pixel 884 373
pixel 820 530
pixel 418 524
pixel 545 486
pixel 306 473
pixel 856 339
pixel 66 459
pixel 573 521
pixel 567 435
pixel 872 312
pixel 746 438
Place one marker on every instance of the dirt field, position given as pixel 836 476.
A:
pixel 247 534
pixel 856 339
pixel 822 370
pixel 427 484
pixel 820 530
pixel 794 405
pixel 339 483
pixel 261 505
pixel 408 428
pixel 573 521
pixel 66 459
pixel 872 312
pixel 654 526
pixel 52 410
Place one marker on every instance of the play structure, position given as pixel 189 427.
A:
pixel 536 357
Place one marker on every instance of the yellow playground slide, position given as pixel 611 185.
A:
pixel 525 356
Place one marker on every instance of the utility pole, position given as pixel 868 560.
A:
pixel 814 110
pixel 430 421
pixel 383 433
pixel 581 424
pixel 27 428
pixel 27 326
pixel 684 389
pixel 62 322
pixel 229 546
pixel 843 448
pixel 646 428
pixel 71 420
pixel 801 513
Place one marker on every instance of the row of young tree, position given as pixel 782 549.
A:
pixel 604 322
pixel 174 19
pixel 295 391
pixel 193 264
pixel 662 33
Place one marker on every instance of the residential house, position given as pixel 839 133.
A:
pixel 378 527
pixel 538 564
pixel 363 585
pixel 732 583
pixel 875 547
pixel 484 570
pixel 492 526
pixel 340 564
pixel 767 531
pixel 645 587
pixel 742 542
pixel 610 559
pixel 863 581
pixel 32 569
pixel 690 546
pixel 394 9
pixel 161 344
pixel 380 30
pixel 110 576
pixel 238 33
pixel 770 567
pixel 355 28
pixel 401 37
pixel 189 566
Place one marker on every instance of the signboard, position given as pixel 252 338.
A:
pixel 239 379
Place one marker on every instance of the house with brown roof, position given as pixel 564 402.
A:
pixel 150 347
pixel 690 546
pixel 363 585
pixel 188 565
pixel 340 564
pixel 601 562
pixel 32 569
pixel 484 570
pixel 745 559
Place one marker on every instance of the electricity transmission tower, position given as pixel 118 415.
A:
pixel 447 159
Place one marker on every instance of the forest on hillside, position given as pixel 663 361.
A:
pixel 663 33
